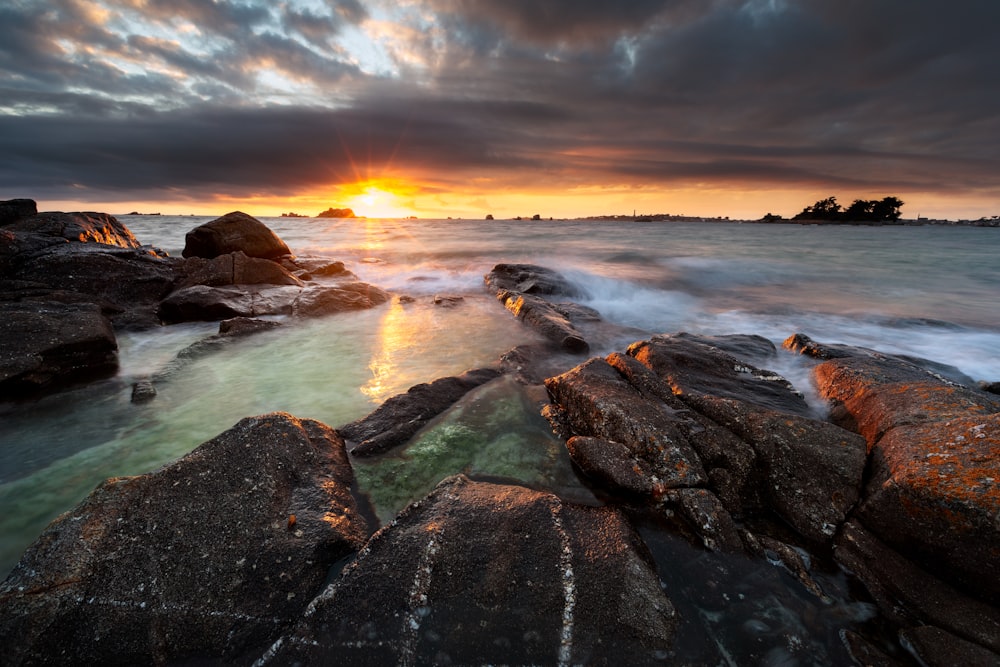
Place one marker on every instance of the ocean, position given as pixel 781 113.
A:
pixel 928 291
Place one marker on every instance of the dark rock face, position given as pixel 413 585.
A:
pixel 13 210
pixel 490 574
pixel 529 279
pixel 205 559
pixel 48 345
pixel 546 319
pixel 935 456
pixel 397 420
pixel 682 413
pixel 234 232
pixel 81 227
pixel 318 301
pixel 234 268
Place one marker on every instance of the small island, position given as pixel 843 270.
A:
pixel 293 215
pixel 337 213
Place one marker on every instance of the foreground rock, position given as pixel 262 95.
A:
pixel 490 574
pixel 234 232
pixel 935 462
pixel 207 558
pixel 13 210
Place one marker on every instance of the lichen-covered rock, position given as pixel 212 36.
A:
pixel 599 402
pixel 480 573
pixel 234 232
pixel 207 558
pixel 49 345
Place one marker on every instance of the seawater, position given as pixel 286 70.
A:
pixel 928 291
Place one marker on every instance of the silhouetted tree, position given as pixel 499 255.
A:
pixel 887 209
pixel 862 210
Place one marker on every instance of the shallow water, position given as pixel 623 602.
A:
pixel 924 291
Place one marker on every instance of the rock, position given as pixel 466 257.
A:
pixel 336 213
pixel 320 300
pixel 990 387
pixel 13 210
pixel 78 227
pixel 143 392
pixel 910 595
pixel 396 421
pixel 234 268
pixel 490 574
pixel 598 402
pixel 933 494
pixel 206 559
pixel 324 268
pixel 48 346
pixel 612 465
pixel 708 519
pixel 238 327
pixel 201 302
pixel 234 232
pixel 935 456
pixel 447 300
pixel 695 370
pixel 934 646
pixel 546 319
pixel 529 279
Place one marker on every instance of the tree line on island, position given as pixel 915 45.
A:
pixel 886 209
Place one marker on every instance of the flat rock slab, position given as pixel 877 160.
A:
pixel 206 558
pixel 49 345
pixel 480 573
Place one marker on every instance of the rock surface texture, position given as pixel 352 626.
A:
pixel 207 558
pixel 234 232
pixel 484 574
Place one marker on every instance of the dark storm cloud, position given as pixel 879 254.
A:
pixel 882 94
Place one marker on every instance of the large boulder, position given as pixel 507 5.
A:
pixel 529 279
pixel 208 558
pixel 48 345
pixel 396 421
pixel 480 573
pixel 935 458
pixel 234 232
pixel 13 210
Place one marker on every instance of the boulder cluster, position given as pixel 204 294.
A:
pixel 256 549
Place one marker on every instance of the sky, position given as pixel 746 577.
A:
pixel 438 108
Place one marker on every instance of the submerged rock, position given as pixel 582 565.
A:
pixel 395 421
pixel 490 574
pixel 208 558
pixel 234 232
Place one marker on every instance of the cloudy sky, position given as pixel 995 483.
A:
pixel 466 107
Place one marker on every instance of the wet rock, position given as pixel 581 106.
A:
pixel 245 326
pixel 317 301
pixel 234 232
pixel 612 465
pixel 13 210
pixel 546 319
pixel 206 559
pixel 234 268
pixel 143 392
pixel 48 346
pixel 990 387
pixel 599 402
pixel 708 519
pixel 863 652
pixel 934 646
pixel 324 268
pixel 741 346
pixel 79 227
pixel 447 300
pixel 794 559
pixel 395 421
pixel 695 370
pixel 529 279
pixel 490 574
pixel 910 595
pixel 803 344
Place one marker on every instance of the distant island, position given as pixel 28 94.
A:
pixel 337 213
pixel 293 215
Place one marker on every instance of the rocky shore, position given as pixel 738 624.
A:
pixel 712 480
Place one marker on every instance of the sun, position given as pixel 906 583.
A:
pixel 375 200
